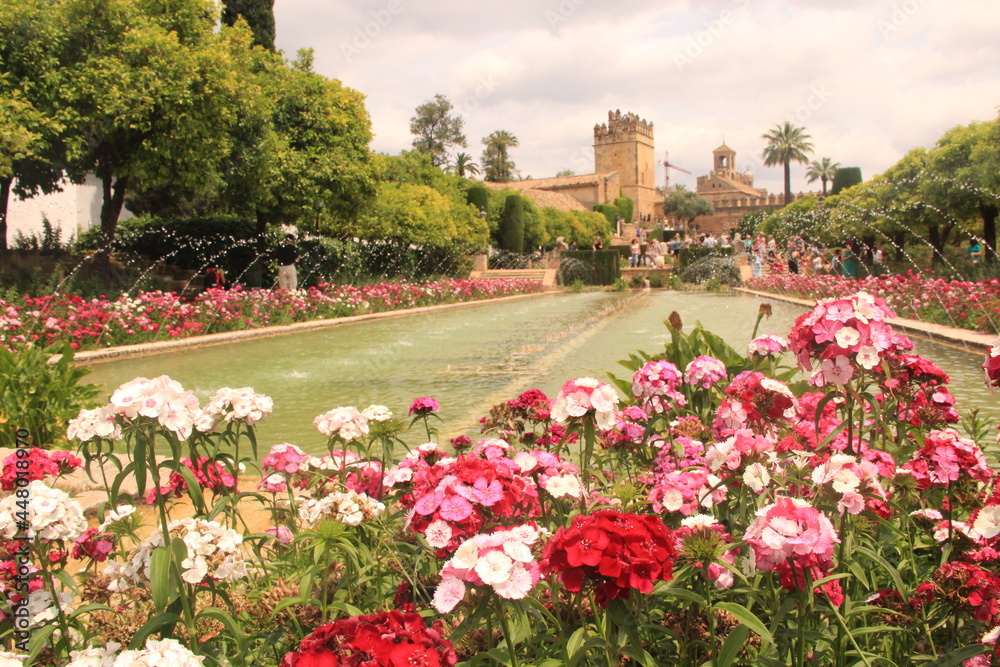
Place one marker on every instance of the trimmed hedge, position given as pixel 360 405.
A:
pixel 478 196
pixel 592 267
pixel 512 224
pixel 844 178
pixel 612 213
pixel 626 207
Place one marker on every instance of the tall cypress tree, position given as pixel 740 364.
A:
pixel 258 13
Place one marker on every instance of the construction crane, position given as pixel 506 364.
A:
pixel 666 171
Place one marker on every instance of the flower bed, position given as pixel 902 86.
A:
pixel 919 296
pixel 151 316
pixel 716 515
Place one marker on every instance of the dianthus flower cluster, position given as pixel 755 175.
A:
pixel 585 397
pixel 791 530
pixel 213 553
pixel 755 401
pixel 767 345
pixel 387 639
pixel 704 371
pixel 682 453
pixel 458 498
pixel 947 458
pixel 557 476
pixel 234 405
pixel 422 458
pixel 656 383
pixel 991 365
pixel 162 399
pixel 95 544
pixel 97 423
pixel 36 463
pixel 340 468
pixel 849 481
pixel 685 491
pixel 209 474
pixel 629 429
pixel 284 462
pixel 502 559
pixel 919 388
pixel 344 423
pixel 704 543
pixel 738 451
pixel 52 515
pixel 967 588
pixel 844 335
pixel 157 653
pixel 615 551
pixel 532 405
pixel 424 406
pixel 347 507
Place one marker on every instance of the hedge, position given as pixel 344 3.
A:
pixel 593 267
pixel 688 256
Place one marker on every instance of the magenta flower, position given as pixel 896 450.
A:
pixel 424 406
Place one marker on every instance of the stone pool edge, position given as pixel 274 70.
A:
pixel 937 332
pixel 164 346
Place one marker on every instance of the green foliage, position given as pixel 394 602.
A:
pixel 620 285
pixel 750 222
pixel 656 280
pixel 844 178
pixel 478 196
pixel 39 396
pixel 592 267
pixel 512 224
pixel 786 143
pixel 259 15
pixel 496 162
pixel 626 207
pixel 612 213
pixel 713 284
pixel 49 242
pixel 577 286
pixel 685 205
pixel 694 253
pixel 436 129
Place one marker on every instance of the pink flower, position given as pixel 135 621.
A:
pixel 586 396
pixel 704 371
pixel 424 406
pixel 791 530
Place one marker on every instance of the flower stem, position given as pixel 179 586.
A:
pixel 506 633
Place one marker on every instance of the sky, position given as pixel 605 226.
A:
pixel 869 80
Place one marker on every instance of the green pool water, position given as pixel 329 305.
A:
pixel 471 358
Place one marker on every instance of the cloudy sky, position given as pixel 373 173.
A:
pixel 868 79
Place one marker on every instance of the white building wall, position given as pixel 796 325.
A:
pixel 74 210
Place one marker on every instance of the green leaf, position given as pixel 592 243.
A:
pixel 151 626
pixel 747 618
pixel 732 646
pixel 159 578
pixel 234 628
pixel 959 655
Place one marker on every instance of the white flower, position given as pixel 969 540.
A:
pixel 94 656
pixel 494 567
pixel 466 555
pixel 345 423
pixel 438 534
pixel 756 477
pixel 15 659
pixel 116 515
pixel 563 486
pixel 52 514
pixel 348 507
pixel 160 653
pixel 41 607
pixel 987 522
pixel 449 593
pixel 377 413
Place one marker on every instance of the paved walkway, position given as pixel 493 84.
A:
pixel 970 340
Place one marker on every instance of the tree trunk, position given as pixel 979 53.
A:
pixel 788 182
pixel 898 239
pixel 937 244
pixel 5 184
pixel 823 180
pixel 989 213
pixel 112 202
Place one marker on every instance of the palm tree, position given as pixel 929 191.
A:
pixel 824 171
pixel 464 165
pixel 786 144
pixel 496 162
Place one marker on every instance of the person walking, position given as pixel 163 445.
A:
pixel 287 254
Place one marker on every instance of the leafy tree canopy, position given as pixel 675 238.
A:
pixel 436 129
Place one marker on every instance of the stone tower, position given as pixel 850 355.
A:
pixel 625 146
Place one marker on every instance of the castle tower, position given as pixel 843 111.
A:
pixel 724 159
pixel 625 145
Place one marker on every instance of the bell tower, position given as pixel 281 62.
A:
pixel 625 145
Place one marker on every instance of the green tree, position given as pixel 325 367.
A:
pixel 437 129
pixel 259 15
pixel 498 166
pixel 31 36
pixel 845 177
pixel 786 144
pixel 823 170
pixel 464 165
pixel 965 169
pixel 686 205
pixel 626 206
pixel 565 173
pixel 512 224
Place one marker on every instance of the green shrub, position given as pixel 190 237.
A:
pixel 593 267
pixel 478 196
pixel 656 280
pixel 620 285
pixel 41 397
pixel 612 213
pixel 512 224
pixel 636 281
pixel 694 253
pixel 713 285
pixel 674 283
pixel 626 208
pixel 845 178
pixel 577 286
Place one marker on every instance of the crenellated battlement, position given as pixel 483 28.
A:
pixel 622 127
